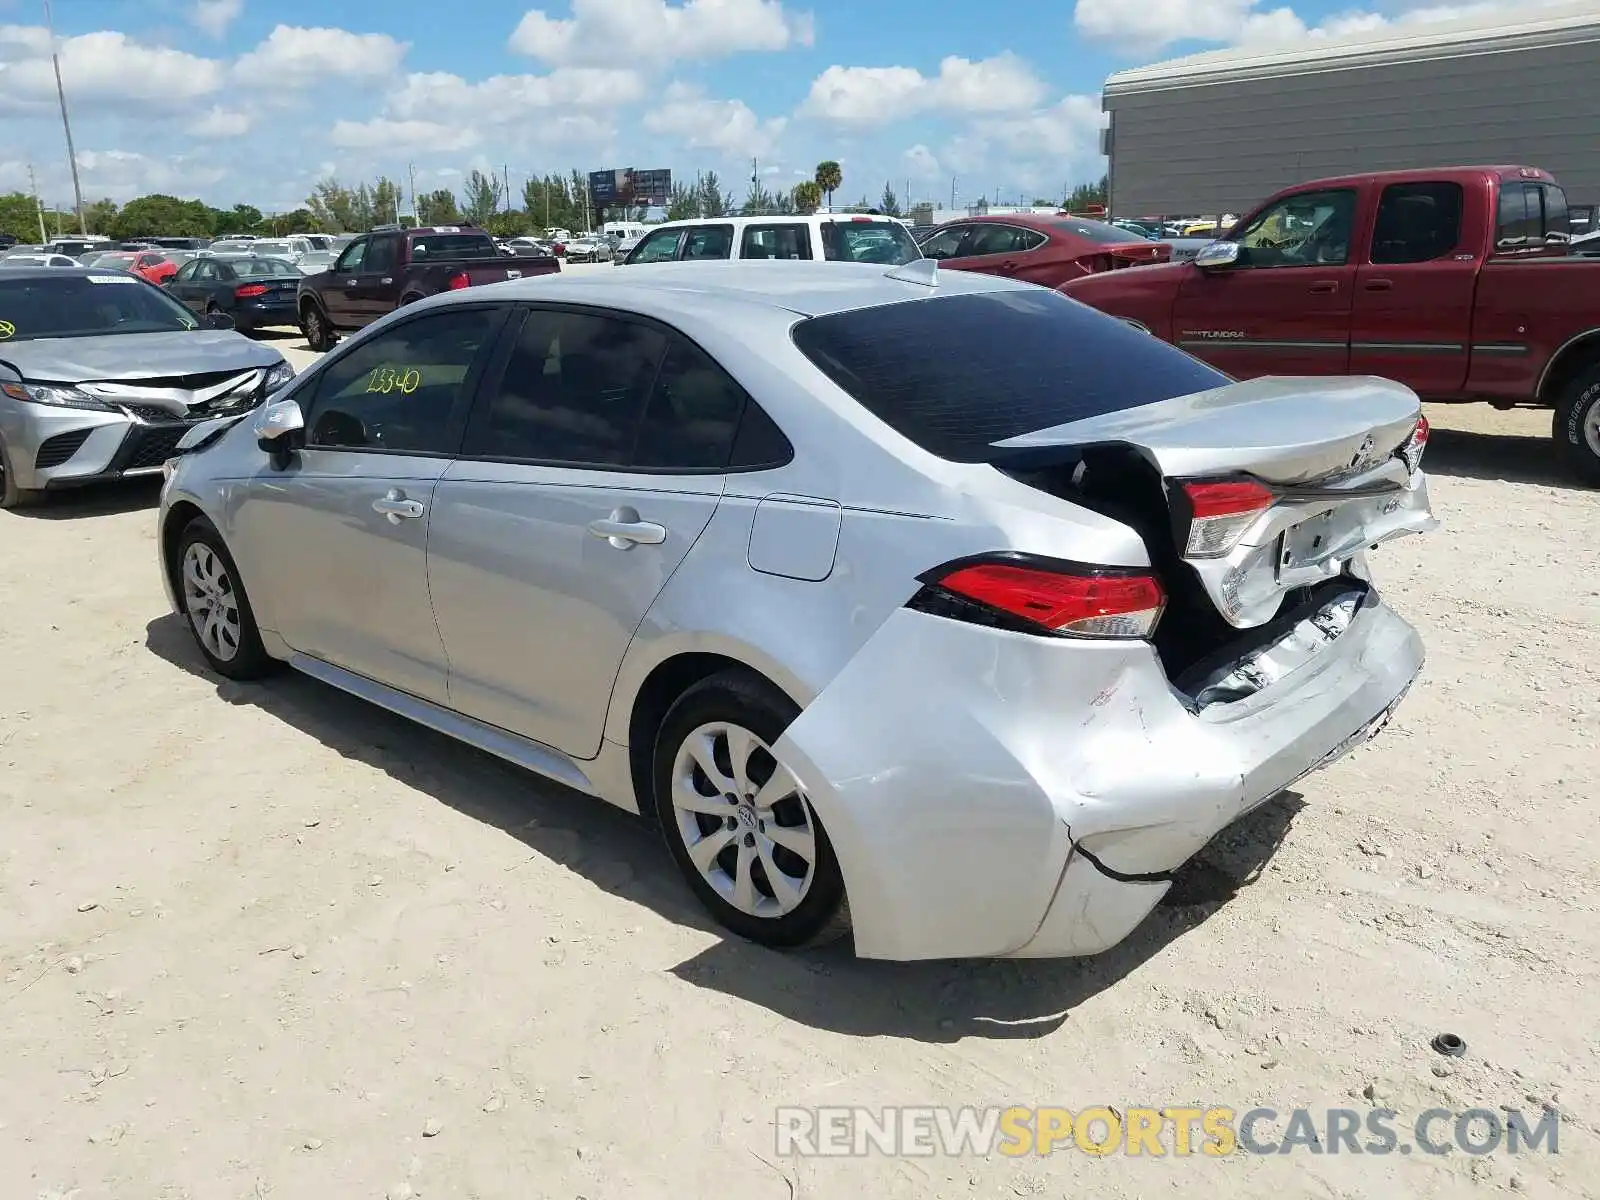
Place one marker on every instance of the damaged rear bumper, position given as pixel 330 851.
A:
pixel 994 794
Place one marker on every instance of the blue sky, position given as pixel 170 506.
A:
pixel 251 101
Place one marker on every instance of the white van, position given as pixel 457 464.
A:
pixel 835 238
pixel 624 230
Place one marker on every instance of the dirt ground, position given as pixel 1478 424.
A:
pixel 266 941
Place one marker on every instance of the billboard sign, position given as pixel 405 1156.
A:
pixel 627 187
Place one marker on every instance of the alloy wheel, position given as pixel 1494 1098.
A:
pixel 1591 428
pixel 210 601
pixel 744 820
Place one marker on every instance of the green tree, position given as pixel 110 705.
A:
pixel 386 201
pixel 714 202
pixel 514 223
pixel 807 196
pixel 438 208
pixel 757 203
pixel 101 216
pixel 829 178
pixel 684 203
pixel 243 218
pixel 363 213
pixel 19 216
pixel 1086 195
pixel 332 205
pixel 889 205
pixel 163 216
pixel 482 197
pixel 300 220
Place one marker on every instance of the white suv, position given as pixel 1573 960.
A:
pixel 837 237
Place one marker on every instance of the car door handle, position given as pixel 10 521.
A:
pixel 624 530
pixel 1325 289
pixel 1377 285
pixel 397 508
pixel 351 282
pixel 1009 264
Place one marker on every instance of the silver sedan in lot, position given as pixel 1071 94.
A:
pixel 102 373
pixel 932 605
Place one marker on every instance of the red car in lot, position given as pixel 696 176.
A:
pixel 151 264
pixel 1046 249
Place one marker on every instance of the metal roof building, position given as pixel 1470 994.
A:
pixel 1220 131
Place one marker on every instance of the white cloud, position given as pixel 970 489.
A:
pixel 221 123
pixel 401 136
pixel 603 32
pixel 871 95
pixel 297 57
pixel 214 16
pixel 104 70
pixel 1153 24
pixel 508 98
pixel 701 122
pixel 1038 151
pixel 921 162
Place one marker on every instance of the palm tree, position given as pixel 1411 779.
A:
pixel 829 178
pixel 807 196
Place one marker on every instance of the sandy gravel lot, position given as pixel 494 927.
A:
pixel 264 941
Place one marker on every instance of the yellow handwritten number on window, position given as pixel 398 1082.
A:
pixel 387 379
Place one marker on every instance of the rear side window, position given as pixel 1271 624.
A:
pixel 693 414
pixel 1532 216
pixel 1004 239
pixel 1417 222
pixel 776 241
pixel 883 242
pixel 450 247
pixel 708 241
pixel 957 374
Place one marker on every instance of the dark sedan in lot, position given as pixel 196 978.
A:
pixel 255 292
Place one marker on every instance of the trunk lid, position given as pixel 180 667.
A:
pixel 503 268
pixel 1327 457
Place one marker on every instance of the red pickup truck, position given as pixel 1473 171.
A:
pixel 1455 282
pixel 380 271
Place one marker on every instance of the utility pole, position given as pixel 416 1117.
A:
pixel 505 173
pixel 755 182
pixel 66 125
pixel 952 193
pixel 33 186
pixel 411 173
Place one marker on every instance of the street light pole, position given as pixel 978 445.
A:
pixel 61 95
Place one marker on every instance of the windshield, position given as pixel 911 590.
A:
pixel 452 247
pixel 268 268
pixel 269 247
pixel 73 305
pixel 117 258
pixel 956 374
pixel 884 242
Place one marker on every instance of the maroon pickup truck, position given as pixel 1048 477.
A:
pixel 389 267
pixel 1455 282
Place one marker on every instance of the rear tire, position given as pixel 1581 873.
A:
pixel 12 496
pixel 318 329
pixel 1576 427
pixel 215 606
pixel 729 722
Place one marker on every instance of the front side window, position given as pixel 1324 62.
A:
pixel 660 246
pixel 572 391
pixel 352 257
pixel 380 255
pixel 1417 222
pixel 776 241
pixel 397 391
pixel 188 271
pixel 1311 229
pixel 946 243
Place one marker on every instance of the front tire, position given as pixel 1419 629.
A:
pixel 1576 428
pixel 216 607
pixel 318 329
pixel 12 496
pixel 738 822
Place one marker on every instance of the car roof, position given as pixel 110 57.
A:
pixel 779 219
pixel 41 271
pixel 666 290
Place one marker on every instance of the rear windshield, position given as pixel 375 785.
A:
pixel 452 247
pixel 271 268
pixel 1093 231
pixel 86 306
pixel 956 374
pixel 885 242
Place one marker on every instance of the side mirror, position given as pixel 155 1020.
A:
pixel 217 320
pixel 280 431
pixel 1217 255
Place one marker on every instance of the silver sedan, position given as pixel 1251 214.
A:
pixel 932 605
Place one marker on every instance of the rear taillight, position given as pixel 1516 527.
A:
pixel 1411 452
pixel 459 280
pixel 1220 511
pixel 247 290
pixel 1035 595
